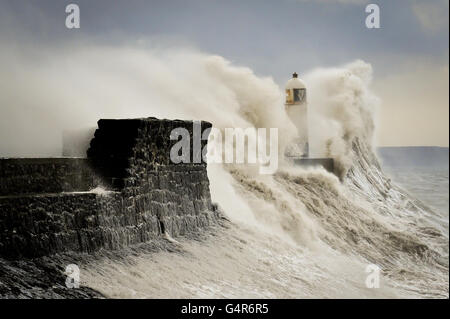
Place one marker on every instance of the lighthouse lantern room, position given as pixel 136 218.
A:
pixel 295 90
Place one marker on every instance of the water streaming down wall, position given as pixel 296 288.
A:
pixel 126 192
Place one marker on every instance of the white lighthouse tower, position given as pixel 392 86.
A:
pixel 296 108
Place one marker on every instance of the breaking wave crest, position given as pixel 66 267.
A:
pixel 361 215
pixel 298 233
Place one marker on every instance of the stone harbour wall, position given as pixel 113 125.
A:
pixel 126 192
pixel 45 175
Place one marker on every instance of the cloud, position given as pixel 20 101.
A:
pixel 432 15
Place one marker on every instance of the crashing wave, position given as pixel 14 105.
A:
pixel 298 233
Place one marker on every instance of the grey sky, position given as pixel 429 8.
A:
pixel 272 37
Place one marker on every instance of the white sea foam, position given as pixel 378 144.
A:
pixel 297 233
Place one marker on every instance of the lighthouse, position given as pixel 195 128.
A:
pixel 297 110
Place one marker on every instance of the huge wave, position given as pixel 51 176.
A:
pixel 297 233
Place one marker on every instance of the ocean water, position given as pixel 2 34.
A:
pixel 298 234
pixel 429 184
pixel 301 232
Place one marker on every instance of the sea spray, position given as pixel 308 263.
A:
pixel 297 233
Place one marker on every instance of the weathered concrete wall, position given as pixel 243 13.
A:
pixel 146 196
